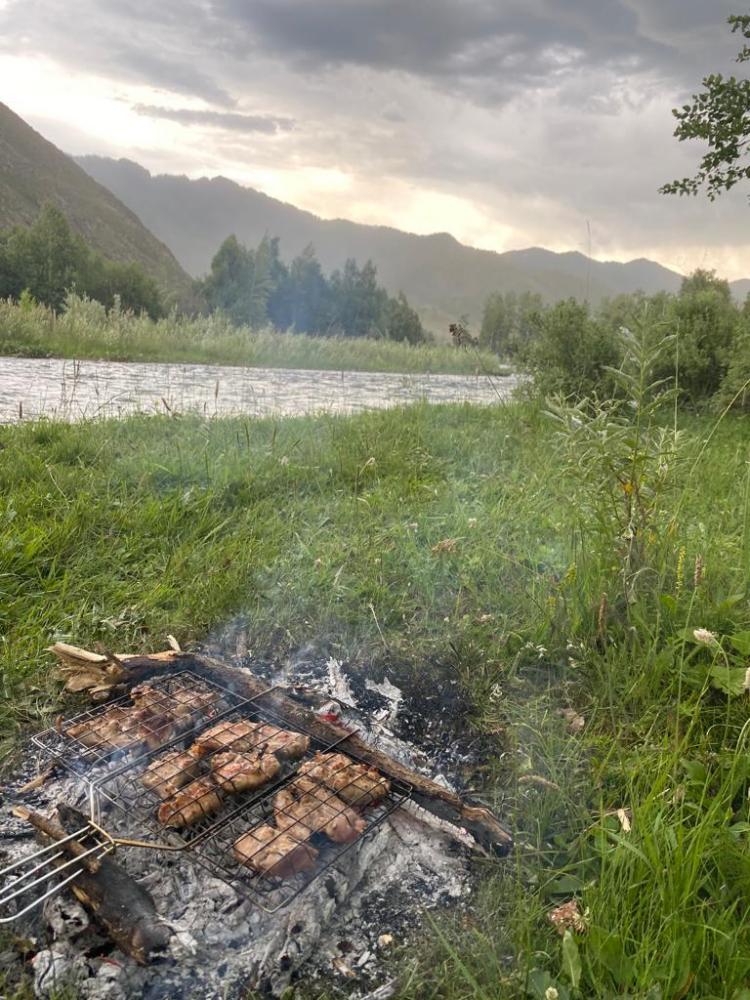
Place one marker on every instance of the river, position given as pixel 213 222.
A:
pixel 75 390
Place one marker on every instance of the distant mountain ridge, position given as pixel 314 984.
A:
pixel 442 278
pixel 34 171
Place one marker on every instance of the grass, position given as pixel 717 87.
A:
pixel 86 330
pixel 326 530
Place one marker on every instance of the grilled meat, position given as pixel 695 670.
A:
pixel 306 807
pixel 146 696
pixel 241 772
pixel 357 784
pixel 238 736
pixel 153 719
pixel 190 804
pixel 244 735
pixel 285 744
pixel 168 773
pixel 274 852
pixel 114 728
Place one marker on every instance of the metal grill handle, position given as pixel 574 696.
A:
pixel 44 865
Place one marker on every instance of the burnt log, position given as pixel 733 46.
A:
pixel 123 909
pixel 478 820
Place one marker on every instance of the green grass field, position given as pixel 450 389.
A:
pixel 86 330
pixel 326 530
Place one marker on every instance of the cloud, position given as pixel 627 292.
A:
pixel 537 116
pixel 231 120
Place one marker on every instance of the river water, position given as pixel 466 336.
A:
pixel 73 390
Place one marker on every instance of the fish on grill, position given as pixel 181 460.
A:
pixel 355 783
pixel 170 772
pixel 242 772
pixel 244 735
pixel 190 804
pixel 305 807
pixel 274 852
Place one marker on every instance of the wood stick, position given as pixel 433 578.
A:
pixel 122 908
pixel 478 820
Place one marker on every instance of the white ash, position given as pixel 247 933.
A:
pixel 222 945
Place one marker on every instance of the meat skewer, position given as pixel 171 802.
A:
pixel 305 807
pixel 241 772
pixel 190 804
pixel 355 783
pixel 273 852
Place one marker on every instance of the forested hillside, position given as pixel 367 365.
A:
pixel 442 278
pixel 34 172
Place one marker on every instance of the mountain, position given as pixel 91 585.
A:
pixel 33 171
pixel 442 278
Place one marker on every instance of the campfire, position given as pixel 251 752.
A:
pixel 202 805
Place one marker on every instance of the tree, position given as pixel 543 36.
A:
pixel 228 284
pixel 704 320
pixel 720 117
pixel 403 322
pixel 359 303
pixel 49 260
pixel 301 301
pixel 510 322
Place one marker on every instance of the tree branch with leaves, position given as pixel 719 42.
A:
pixel 720 117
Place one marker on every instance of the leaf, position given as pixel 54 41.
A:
pixel 741 642
pixel 539 981
pixel 610 951
pixel 565 885
pixel 730 680
pixel 571 959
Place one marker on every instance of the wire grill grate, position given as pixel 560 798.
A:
pixel 224 817
pixel 179 732
pixel 150 716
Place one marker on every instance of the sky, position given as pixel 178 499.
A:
pixel 508 124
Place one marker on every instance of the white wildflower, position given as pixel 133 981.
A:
pixel 705 637
pixel 551 993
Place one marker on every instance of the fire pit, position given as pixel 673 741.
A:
pixel 358 832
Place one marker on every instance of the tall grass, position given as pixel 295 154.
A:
pixel 585 553
pixel 85 329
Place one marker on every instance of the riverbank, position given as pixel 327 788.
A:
pixel 85 330
pixel 469 544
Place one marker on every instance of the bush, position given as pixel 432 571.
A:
pixel 572 353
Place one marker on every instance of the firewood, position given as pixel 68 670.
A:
pixel 121 907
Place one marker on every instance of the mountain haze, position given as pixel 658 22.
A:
pixel 442 278
pixel 34 171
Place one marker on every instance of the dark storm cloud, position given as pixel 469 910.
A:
pixel 504 45
pixel 232 120
pixel 485 51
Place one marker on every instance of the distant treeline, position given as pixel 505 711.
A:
pixel 253 288
pixel 47 260
pixel 570 347
pixel 256 288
